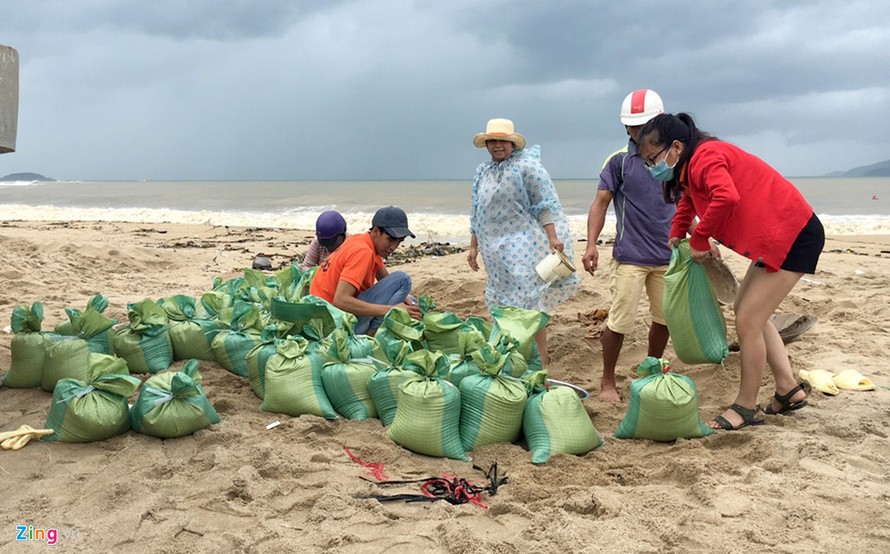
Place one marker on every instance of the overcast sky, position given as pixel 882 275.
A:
pixel 396 89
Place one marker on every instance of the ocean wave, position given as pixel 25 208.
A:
pixel 429 227
pixel 21 183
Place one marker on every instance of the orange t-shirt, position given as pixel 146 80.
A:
pixel 355 262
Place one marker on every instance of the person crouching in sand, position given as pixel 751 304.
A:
pixel 355 279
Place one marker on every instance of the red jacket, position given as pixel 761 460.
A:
pixel 741 202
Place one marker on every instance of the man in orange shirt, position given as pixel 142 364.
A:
pixel 355 279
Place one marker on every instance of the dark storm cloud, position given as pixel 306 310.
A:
pixel 396 89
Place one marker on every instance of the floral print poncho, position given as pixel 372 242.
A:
pixel 507 199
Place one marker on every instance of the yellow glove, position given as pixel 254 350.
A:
pixel 16 440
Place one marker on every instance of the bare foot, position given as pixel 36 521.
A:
pixel 609 394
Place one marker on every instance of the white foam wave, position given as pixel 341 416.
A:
pixel 427 226
pixel 20 183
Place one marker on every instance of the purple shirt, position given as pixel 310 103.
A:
pixel 644 220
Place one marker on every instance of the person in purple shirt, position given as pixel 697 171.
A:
pixel 641 254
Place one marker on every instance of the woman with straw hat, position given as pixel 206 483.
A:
pixel 516 220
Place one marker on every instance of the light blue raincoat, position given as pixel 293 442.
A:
pixel 507 199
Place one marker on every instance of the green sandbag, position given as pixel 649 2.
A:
pixel 516 364
pixel 145 343
pixel 384 384
pixel 663 406
pixel 190 335
pixel 90 325
pixel 555 421
pixel 319 325
pixel 257 359
pixel 287 279
pixel 492 402
pixel 259 289
pixel 360 346
pixel 441 331
pixel 293 381
pixel 345 379
pixel 67 357
pixel 522 325
pixel 428 414
pixel 691 311
pixel 27 348
pixel 242 332
pixel 95 410
pixel 462 364
pixel 399 326
pixel 481 325
pixel 98 302
pixel 173 404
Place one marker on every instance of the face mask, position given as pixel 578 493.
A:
pixel 662 171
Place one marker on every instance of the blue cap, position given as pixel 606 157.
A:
pixel 329 224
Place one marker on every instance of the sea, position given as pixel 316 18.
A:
pixel 437 210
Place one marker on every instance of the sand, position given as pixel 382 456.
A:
pixel 815 481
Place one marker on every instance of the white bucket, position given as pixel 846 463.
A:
pixel 554 266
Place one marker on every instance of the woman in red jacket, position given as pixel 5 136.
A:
pixel 747 206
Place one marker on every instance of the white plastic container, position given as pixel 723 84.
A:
pixel 554 266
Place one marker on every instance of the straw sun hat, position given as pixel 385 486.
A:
pixel 499 129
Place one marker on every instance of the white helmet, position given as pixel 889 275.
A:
pixel 640 106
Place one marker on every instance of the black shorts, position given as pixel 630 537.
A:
pixel 807 247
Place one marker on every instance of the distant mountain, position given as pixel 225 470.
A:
pixel 25 177
pixel 880 169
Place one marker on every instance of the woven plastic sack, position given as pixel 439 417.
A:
pixel 555 421
pixel 691 311
pixel 27 348
pixel 257 359
pixel 144 343
pixel 241 333
pixel 293 381
pixel 663 406
pixel 481 325
pixel 90 325
pixel 288 279
pixel 190 335
pixel 384 384
pixel 360 346
pixel 462 363
pixel 522 325
pixel 441 331
pixel 173 404
pixel 492 402
pixel 67 357
pixel 516 364
pixel 428 414
pixel 95 410
pixel 399 326
pixel 312 317
pixel 345 379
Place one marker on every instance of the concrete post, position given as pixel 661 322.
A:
pixel 9 97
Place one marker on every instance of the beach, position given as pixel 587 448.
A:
pixel 814 481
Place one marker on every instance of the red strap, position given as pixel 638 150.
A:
pixel 376 468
